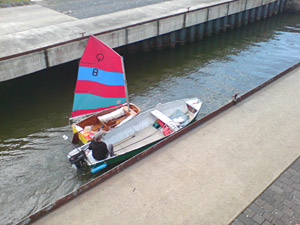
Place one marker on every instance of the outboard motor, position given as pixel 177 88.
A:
pixel 78 159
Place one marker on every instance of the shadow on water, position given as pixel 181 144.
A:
pixel 37 101
pixel 35 108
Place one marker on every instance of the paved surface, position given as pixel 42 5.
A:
pixel 28 44
pixel 20 19
pixel 53 28
pixel 20 30
pixel 87 8
pixel 211 174
pixel 279 204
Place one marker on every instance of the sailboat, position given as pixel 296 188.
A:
pixel 101 96
pixel 140 133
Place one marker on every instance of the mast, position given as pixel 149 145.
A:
pixel 125 81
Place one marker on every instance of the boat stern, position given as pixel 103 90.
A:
pixel 77 158
pixel 194 105
pixel 78 135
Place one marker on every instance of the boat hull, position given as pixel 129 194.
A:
pixel 82 136
pixel 121 158
pixel 143 131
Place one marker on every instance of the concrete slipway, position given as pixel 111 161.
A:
pixel 206 176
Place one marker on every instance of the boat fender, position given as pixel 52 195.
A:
pixel 98 168
pixel 113 115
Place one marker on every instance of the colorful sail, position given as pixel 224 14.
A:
pixel 101 80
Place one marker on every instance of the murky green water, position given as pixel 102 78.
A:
pixel 35 109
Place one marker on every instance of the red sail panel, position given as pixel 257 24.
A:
pixel 98 55
pixel 100 89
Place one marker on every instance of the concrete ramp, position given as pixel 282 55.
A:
pixel 207 176
pixel 24 18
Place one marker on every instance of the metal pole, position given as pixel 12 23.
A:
pixel 125 81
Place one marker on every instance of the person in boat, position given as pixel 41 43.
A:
pixel 99 149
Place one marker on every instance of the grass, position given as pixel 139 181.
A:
pixel 11 3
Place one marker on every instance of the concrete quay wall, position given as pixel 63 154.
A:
pixel 155 26
pixel 293 5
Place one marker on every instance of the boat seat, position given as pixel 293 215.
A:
pixel 161 116
pixel 125 107
pixel 128 110
pixel 165 119
pixel 132 112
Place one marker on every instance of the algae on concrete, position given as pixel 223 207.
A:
pixel 11 3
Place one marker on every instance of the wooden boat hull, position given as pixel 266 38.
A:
pixel 83 136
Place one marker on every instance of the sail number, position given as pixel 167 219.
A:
pixel 95 72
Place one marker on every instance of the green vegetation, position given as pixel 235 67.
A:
pixel 10 3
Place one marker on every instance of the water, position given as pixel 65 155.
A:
pixel 35 109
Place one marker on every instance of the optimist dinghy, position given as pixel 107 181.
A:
pixel 140 133
pixel 101 99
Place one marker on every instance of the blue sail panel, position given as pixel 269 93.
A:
pixel 84 101
pixel 100 76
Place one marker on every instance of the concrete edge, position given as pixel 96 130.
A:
pixel 60 202
pixel 104 32
pixel 188 11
